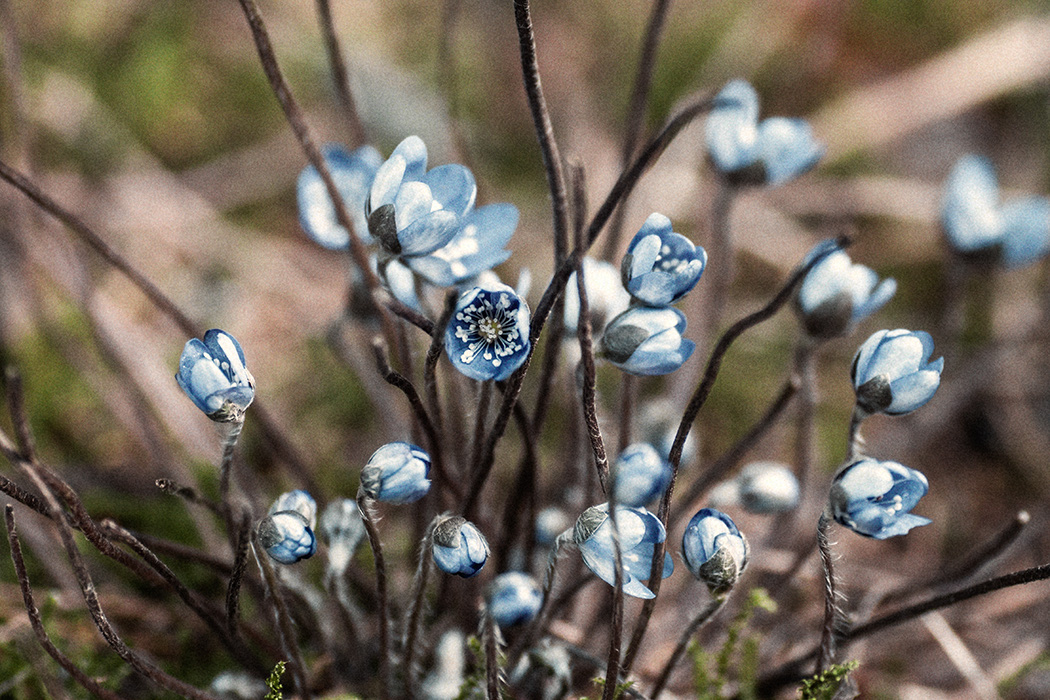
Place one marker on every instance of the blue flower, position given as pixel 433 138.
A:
pixel 640 474
pixel 286 536
pixel 488 336
pixel 550 522
pixel 892 372
pixel 513 599
pixel 301 502
pixel 714 550
pixel 459 547
pixel 414 212
pixel 640 531
pixel 343 528
pixel 396 473
pixel 214 376
pixel 606 296
pixel 747 152
pixel 976 225
pixel 875 498
pixel 837 294
pixel 647 341
pixel 767 487
pixel 353 174
pixel 661 266
pixel 476 247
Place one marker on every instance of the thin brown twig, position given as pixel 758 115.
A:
pixel 37 622
pixel 340 75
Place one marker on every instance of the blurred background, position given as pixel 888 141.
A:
pixel 154 123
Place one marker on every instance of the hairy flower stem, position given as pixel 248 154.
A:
pixel 282 617
pixel 490 641
pixel 229 444
pixel 703 390
pixel 832 613
pixel 340 76
pixel 854 439
pixel 705 614
pixel 590 411
pixel 415 612
pixel 613 665
pixel 365 504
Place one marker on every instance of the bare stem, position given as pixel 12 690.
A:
pixel 854 439
pixel 364 503
pixel 539 623
pixel 415 612
pixel 282 617
pixel 340 75
pixel 705 614
pixel 490 641
pixel 612 666
pixel 233 432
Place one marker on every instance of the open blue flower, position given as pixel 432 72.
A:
pixel 661 266
pixel 415 212
pixel 837 294
pixel 714 549
pixel 640 531
pixel 353 174
pixel 976 225
pixel 892 372
pixel 513 599
pixel 875 498
pixel 287 537
pixel 214 376
pixel 300 501
pixel 647 341
pixel 640 474
pixel 397 472
pixel 488 335
pixel 477 246
pixel 459 547
pixel 747 152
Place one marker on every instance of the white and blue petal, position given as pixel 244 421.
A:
pixel 353 174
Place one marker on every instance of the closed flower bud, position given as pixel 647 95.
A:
pixel 767 487
pixel 647 341
pixel 513 599
pixel 286 536
pixel 714 550
pixel 892 372
pixel 344 530
pixel 396 473
pixel 459 547
pixel 214 376
pixel 300 501
pixel 875 498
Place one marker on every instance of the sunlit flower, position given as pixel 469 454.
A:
pixel 488 335
pixel 748 152
pixel 353 174
pixel 892 372
pixel 661 266
pixel 714 550
pixel 214 376
pixel 477 246
pixel 875 498
pixel 639 530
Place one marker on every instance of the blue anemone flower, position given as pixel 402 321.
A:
pixel 837 294
pixel 287 537
pixel 640 531
pixel 477 246
pixel 977 225
pixel 714 549
pixel 300 501
pixel 875 498
pixel 749 152
pixel 488 335
pixel 892 372
pixel 647 341
pixel 640 474
pixel 353 174
pixel 513 599
pixel 459 547
pixel 661 266
pixel 214 376
pixel 396 473
pixel 412 211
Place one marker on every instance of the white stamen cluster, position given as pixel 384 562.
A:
pixel 489 328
